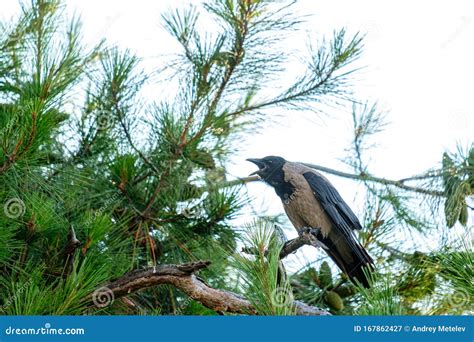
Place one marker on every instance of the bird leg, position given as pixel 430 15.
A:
pixel 309 230
pixel 307 236
pixel 311 234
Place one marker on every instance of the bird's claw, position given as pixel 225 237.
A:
pixel 310 230
pixel 311 234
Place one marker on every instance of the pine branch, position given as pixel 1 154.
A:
pixel 305 238
pixel 240 181
pixel 128 135
pixel 16 153
pixel 291 246
pixel 361 177
pixel 237 52
pixel 182 277
pixel 385 181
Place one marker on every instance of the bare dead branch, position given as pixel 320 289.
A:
pixel 182 277
pixel 362 177
pixel 69 251
pixel 305 238
pixel 291 246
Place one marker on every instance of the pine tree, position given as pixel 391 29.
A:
pixel 111 205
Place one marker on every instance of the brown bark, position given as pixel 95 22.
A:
pixel 182 277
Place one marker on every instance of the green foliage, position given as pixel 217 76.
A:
pixel 28 291
pixel 325 275
pixel 398 214
pixel 318 288
pixel 381 298
pixel 455 267
pixel 419 280
pixel 95 182
pixel 457 188
pixel 261 273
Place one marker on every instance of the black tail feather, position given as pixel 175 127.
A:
pixel 354 268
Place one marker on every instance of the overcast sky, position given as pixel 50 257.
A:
pixel 419 67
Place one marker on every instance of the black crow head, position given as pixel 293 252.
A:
pixel 270 168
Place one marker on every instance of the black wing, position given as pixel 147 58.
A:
pixel 345 221
pixel 338 211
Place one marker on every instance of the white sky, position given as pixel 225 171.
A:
pixel 419 66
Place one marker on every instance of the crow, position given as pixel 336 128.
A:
pixel 312 202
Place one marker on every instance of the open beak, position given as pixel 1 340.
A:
pixel 257 162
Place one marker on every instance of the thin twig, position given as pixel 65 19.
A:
pixel 362 177
pixel 366 177
pixel 238 51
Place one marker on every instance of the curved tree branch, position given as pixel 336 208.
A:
pixel 367 177
pixel 305 238
pixel 362 177
pixel 182 277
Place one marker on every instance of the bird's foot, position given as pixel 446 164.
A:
pixel 309 231
pixel 311 234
